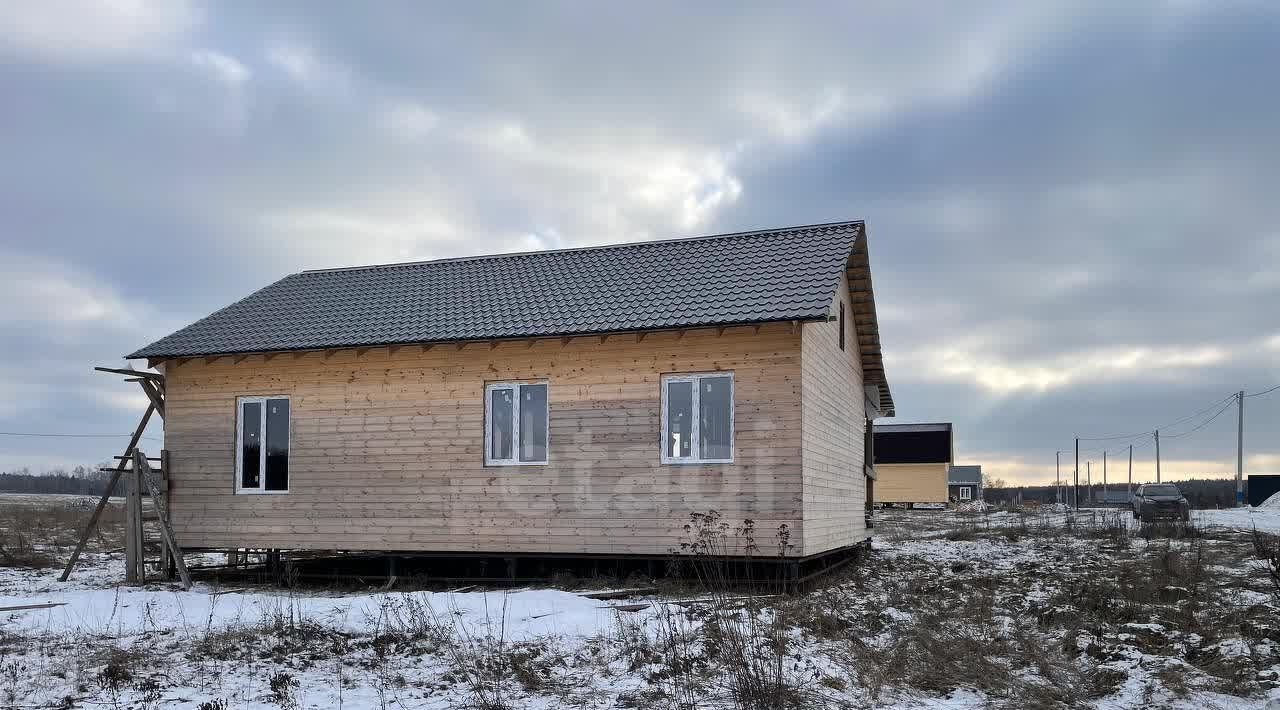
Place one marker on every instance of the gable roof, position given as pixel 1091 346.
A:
pixel 746 277
pixel 964 474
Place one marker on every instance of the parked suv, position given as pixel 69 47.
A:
pixel 1160 500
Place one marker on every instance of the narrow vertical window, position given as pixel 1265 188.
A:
pixel 276 477
pixel 250 444
pixel 842 326
pixel 697 418
pixel 679 419
pixel 262 445
pixel 533 423
pixel 501 422
pixel 715 410
pixel 515 423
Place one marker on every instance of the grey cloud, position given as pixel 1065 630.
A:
pixel 1042 183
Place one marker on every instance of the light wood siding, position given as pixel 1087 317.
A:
pixel 911 483
pixel 833 422
pixel 387 448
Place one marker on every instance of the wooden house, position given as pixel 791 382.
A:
pixel 571 402
pixel 964 483
pixel 912 462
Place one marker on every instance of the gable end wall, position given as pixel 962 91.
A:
pixel 833 424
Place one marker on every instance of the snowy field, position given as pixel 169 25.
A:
pixel 1004 609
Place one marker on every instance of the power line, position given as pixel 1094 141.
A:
pixel 1259 394
pixel 1202 425
pixel 1162 426
pixel 1146 436
pixel 73 436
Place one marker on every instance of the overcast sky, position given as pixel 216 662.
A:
pixel 1072 209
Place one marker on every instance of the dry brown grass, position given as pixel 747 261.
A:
pixel 40 531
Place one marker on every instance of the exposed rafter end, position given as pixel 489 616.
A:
pixel 239 359
pixel 393 349
pixel 640 337
pixel 755 329
pixel 720 330
pixel 680 334
pixel 130 372
pixel 493 344
pixel 426 347
pixel 564 342
pixel 604 338
pixel 268 357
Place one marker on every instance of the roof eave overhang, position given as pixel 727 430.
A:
pixel 862 298
pixel 144 354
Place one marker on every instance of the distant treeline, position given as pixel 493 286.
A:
pixel 82 480
pixel 1200 492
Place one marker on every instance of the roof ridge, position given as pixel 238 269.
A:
pixel 623 245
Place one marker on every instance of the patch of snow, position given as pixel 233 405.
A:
pixel 1264 519
pixel 121 610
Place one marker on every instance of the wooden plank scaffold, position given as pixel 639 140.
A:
pixel 135 468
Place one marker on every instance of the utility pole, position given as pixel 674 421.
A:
pixel 1157 455
pixel 1057 474
pixel 1077 486
pixel 1088 479
pixel 1240 451
pixel 1128 489
pixel 1104 478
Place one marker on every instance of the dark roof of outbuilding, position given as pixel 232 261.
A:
pixel 747 277
pixel 964 474
pixel 913 443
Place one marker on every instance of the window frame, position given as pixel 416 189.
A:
pixel 489 388
pixel 262 453
pixel 695 445
pixel 966 492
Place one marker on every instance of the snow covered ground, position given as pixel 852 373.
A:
pixel 1264 519
pixel 951 611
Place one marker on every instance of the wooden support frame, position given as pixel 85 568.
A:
pixel 134 554
pixel 152 384
pixel 143 474
pixel 106 495
pixel 153 394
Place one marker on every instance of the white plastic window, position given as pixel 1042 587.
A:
pixel 697 418
pixel 515 424
pixel 262 444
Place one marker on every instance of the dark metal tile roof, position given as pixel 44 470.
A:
pixel 777 274
pixel 964 474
